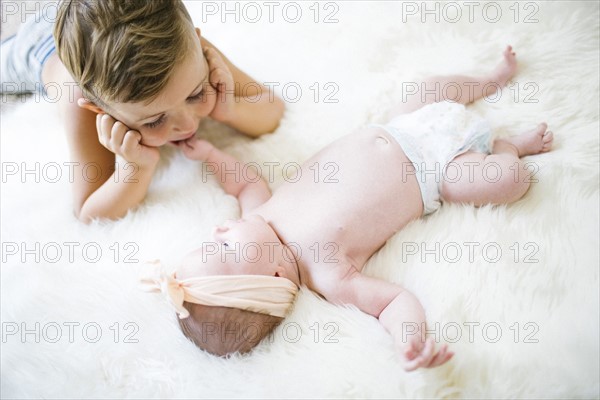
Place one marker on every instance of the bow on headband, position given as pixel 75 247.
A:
pixel 259 293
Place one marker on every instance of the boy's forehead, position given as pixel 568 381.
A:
pixel 188 77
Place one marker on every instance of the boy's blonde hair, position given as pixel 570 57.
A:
pixel 225 330
pixel 122 50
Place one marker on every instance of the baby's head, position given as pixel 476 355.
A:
pixel 237 288
pixel 139 61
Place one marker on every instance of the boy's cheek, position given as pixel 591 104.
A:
pixel 154 139
pixel 205 108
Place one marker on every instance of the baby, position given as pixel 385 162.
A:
pixel 320 232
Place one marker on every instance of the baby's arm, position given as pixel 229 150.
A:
pixel 399 311
pixel 249 188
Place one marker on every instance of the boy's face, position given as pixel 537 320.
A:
pixel 248 246
pixel 176 113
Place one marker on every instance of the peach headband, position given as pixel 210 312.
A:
pixel 259 293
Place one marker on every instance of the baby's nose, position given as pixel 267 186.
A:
pixel 219 229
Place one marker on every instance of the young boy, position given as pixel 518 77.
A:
pixel 134 76
pixel 386 176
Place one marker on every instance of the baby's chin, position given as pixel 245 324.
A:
pixel 183 272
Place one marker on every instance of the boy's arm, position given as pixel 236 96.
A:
pixel 99 191
pixel 248 186
pixel 253 108
pixel 400 313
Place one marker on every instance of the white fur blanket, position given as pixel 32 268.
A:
pixel 519 307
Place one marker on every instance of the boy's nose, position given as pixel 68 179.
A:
pixel 187 123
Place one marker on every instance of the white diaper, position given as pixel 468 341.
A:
pixel 432 137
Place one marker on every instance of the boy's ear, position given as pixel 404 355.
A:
pixel 88 105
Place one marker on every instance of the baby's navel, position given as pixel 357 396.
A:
pixel 380 139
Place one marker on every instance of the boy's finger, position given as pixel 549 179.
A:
pixel 106 123
pixel 117 133
pixel 130 142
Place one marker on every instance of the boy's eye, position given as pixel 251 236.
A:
pixel 196 96
pixel 156 123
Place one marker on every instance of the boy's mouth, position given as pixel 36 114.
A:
pixel 183 139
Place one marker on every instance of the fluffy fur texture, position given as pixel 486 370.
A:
pixel 368 54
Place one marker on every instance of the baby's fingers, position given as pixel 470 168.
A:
pixel 422 359
pixel 441 357
pixel 410 352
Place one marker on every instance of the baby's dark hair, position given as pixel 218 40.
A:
pixel 225 330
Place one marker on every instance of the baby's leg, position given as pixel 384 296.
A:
pixel 496 178
pixel 458 88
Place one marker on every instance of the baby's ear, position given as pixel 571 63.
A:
pixel 88 105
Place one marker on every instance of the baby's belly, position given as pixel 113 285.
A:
pixel 365 193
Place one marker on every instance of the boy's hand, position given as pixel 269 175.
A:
pixel 196 149
pixel 221 79
pixel 118 138
pixel 414 354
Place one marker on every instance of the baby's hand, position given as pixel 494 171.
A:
pixel 196 149
pixel 118 138
pixel 221 79
pixel 414 354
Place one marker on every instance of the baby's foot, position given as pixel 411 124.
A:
pixel 535 141
pixel 507 67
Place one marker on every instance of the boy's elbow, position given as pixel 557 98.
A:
pixel 277 111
